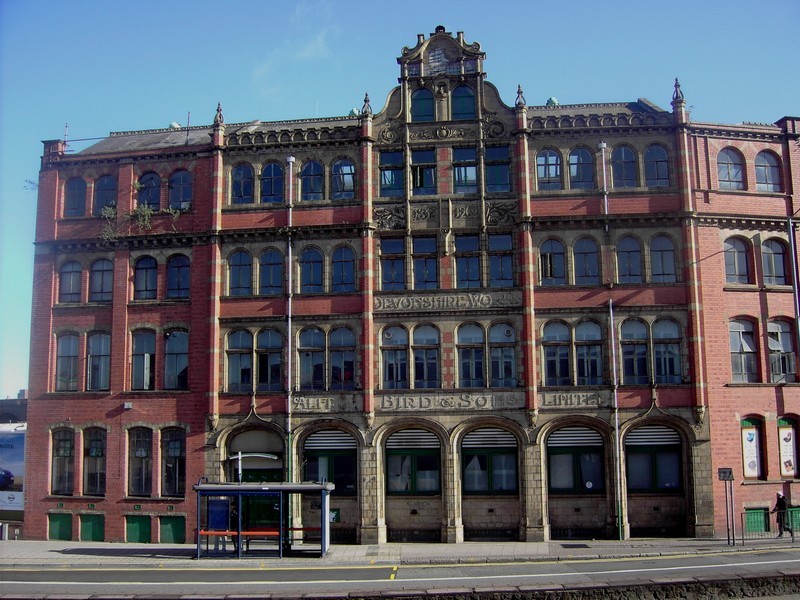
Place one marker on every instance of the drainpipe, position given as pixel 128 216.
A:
pixel 289 336
pixel 602 147
pixel 617 438
pixel 795 292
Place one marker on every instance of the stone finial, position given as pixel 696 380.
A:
pixel 677 95
pixel 218 118
pixel 366 109
pixel 520 98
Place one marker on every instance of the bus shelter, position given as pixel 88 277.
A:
pixel 253 519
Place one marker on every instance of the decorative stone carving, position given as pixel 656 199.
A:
pixel 575 400
pixel 389 217
pixel 458 301
pixel 501 213
pixel 423 213
pixel 389 135
pixel 465 211
pixel 436 401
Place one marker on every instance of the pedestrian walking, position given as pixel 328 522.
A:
pixel 782 510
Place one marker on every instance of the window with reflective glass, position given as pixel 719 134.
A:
pixel 469 340
pixel 270 277
pixel 394 355
pixel 145 278
pixel 730 169
pixel 586 257
pixel 269 360
pixel 311 271
pixel 311 180
pixel 548 170
pixel 98 362
pixel 497 168
pixel 178 270
pixel 393 264
pixel 556 345
pixel 392 174
pixel 782 364
pixel 423 172
pixel 149 191
pixel 101 280
pixel 343 180
pixel 502 356
pixel 468 262
pixel 173 463
pixel 272 183
pixel 67 363
pixel 240 361
pixel 737 263
pixel 75 197
pixel 623 167
pixel 552 267
pixel 343 270
pixel 662 260
pixel 143 372
pixel 656 166
pixel 768 173
pixel 342 345
pixel 312 359
pixel 94 462
pixel 426 263
pixel 240 274
pixel 635 358
pixel 629 260
pixel 463 103
pixel 180 190
pixel 426 357
pixel 242 184
pixel 140 465
pixel 581 170
pixel 588 353
pixel 176 361
pixel 773 260
pixel 105 194
pixel 501 260
pixel 69 282
pixel 63 463
pixel 667 352
pixel 421 105
pixel 465 170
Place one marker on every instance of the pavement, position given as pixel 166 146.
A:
pixel 68 554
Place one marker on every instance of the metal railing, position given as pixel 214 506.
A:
pixel 762 524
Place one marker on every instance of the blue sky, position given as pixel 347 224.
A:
pixel 100 67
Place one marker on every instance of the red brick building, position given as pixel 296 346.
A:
pixel 479 321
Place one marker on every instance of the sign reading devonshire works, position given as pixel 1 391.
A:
pixel 457 301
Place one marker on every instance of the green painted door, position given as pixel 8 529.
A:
pixel 173 530
pixel 59 526
pixel 93 528
pixel 137 529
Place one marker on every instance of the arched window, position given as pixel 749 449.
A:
pixel 548 170
pixel 143 372
pixel 737 262
pixel 178 276
pixel 69 282
pixel 240 274
pixel 633 336
pixel 623 167
pixel 343 266
pixel 343 176
pixel 180 190
pixel 149 193
pixel 463 103
pixel 656 166
pixel 575 461
pixel 768 172
pixel 422 105
pixel 730 169
pixel 581 169
pixel 782 365
pixel 588 353
pixel 145 277
pixel 311 271
pixel 75 198
pixel 271 273
pixel 242 184
pixel 98 363
pixel 413 459
pixel 667 352
pixel 101 281
pixel 105 194
pixel 176 361
pixel 94 462
pixel 489 458
pixel 331 455
pixel 67 363
pixel 629 260
pixel 312 359
pixel 653 459
pixel 470 357
pixel 342 343
pixel 773 261
pixel 311 180
pixel 173 463
pixel 426 357
pixel 744 357
pixel 240 361
pixel 394 354
pixel 556 343
pixel 552 267
pixel 271 183
pixel 269 354
pixel 662 260
pixel 140 461
pixel 63 465
pixel 587 262
pixel 502 356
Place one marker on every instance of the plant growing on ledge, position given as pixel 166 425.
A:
pixel 140 220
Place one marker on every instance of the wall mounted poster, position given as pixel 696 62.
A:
pixel 787 447
pixel 751 453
